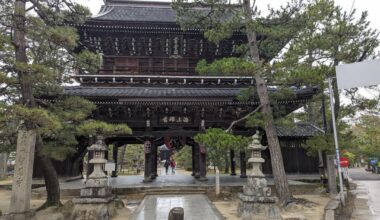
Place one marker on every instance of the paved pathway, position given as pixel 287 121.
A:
pixel 367 202
pixel 196 207
pixel 180 180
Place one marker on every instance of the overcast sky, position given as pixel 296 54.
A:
pixel 372 6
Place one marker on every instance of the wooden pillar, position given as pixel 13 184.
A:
pixel 233 163
pixel 197 174
pixel 114 157
pixel 148 160
pixel 202 163
pixel 243 165
pixel 192 160
pixel 153 158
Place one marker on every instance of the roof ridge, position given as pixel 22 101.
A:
pixel 104 10
pixel 137 2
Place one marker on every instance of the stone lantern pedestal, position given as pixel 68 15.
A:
pixel 256 202
pixel 96 201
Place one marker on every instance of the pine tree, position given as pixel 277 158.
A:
pixel 219 21
pixel 299 44
pixel 38 54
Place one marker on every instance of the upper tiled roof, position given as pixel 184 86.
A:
pixel 138 11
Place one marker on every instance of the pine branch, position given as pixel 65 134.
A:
pixel 242 119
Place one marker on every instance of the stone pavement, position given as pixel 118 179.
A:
pixel 196 207
pixel 181 180
pixel 367 201
pixel 367 192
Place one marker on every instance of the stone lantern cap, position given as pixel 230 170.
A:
pixel 255 144
pixel 99 145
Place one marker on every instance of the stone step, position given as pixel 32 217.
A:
pixel 172 191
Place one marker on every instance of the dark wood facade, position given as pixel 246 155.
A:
pixel 148 80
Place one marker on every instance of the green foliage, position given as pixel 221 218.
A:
pixel 325 142
pixel 320 142
pixel 94 128
pixel 351 156
pixel 87 61
pixel 73 110
pixel 231 66
pixel 367 137
pixel 184 158
pixel 51 56
pixel 330 37
pixel 134 157
pixel 256 120
pixel 245 94
pixel 218 143
pixel 220 19
pixel 46 123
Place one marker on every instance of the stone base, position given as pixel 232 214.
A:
pixel 203 179
pixel 258 208
pixel 96 182
pixel 147 180
pixel 96 192
pixel 19 216
pixel 97 211
pixel 89 200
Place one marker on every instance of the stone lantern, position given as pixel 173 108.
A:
pixel 98 177
pixel 96 189
pixel 96 200
pixel 256 201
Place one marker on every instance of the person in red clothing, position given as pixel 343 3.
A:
pixel 172 164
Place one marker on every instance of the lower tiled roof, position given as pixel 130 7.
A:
pixel 162 92
pixel 298 130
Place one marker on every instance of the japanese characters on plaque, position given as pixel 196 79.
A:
pixel 175 120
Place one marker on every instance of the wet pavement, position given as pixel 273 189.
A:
pixel 181 180
pixel 367 202
pixel 196 207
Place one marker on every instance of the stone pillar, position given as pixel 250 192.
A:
pixel 331 172
pixel 114 157
pixel 90 167
pixel 192 160
pixel 3 165
pixel 243 165
pixel 197 174
pixel 153 161
pixel 148 159
pixel 233 163
pixel 22 179
pixel 202 163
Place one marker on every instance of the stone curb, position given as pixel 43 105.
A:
pixel 332 208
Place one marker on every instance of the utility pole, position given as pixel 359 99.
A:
pixel 341 193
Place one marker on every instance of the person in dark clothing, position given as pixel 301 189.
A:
pixel 166 165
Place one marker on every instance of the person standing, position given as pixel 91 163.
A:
pixel 172 165
pixel 166 165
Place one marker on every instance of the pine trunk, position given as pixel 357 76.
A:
pixel 50 177
pixel 19 42
pixel 280 179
